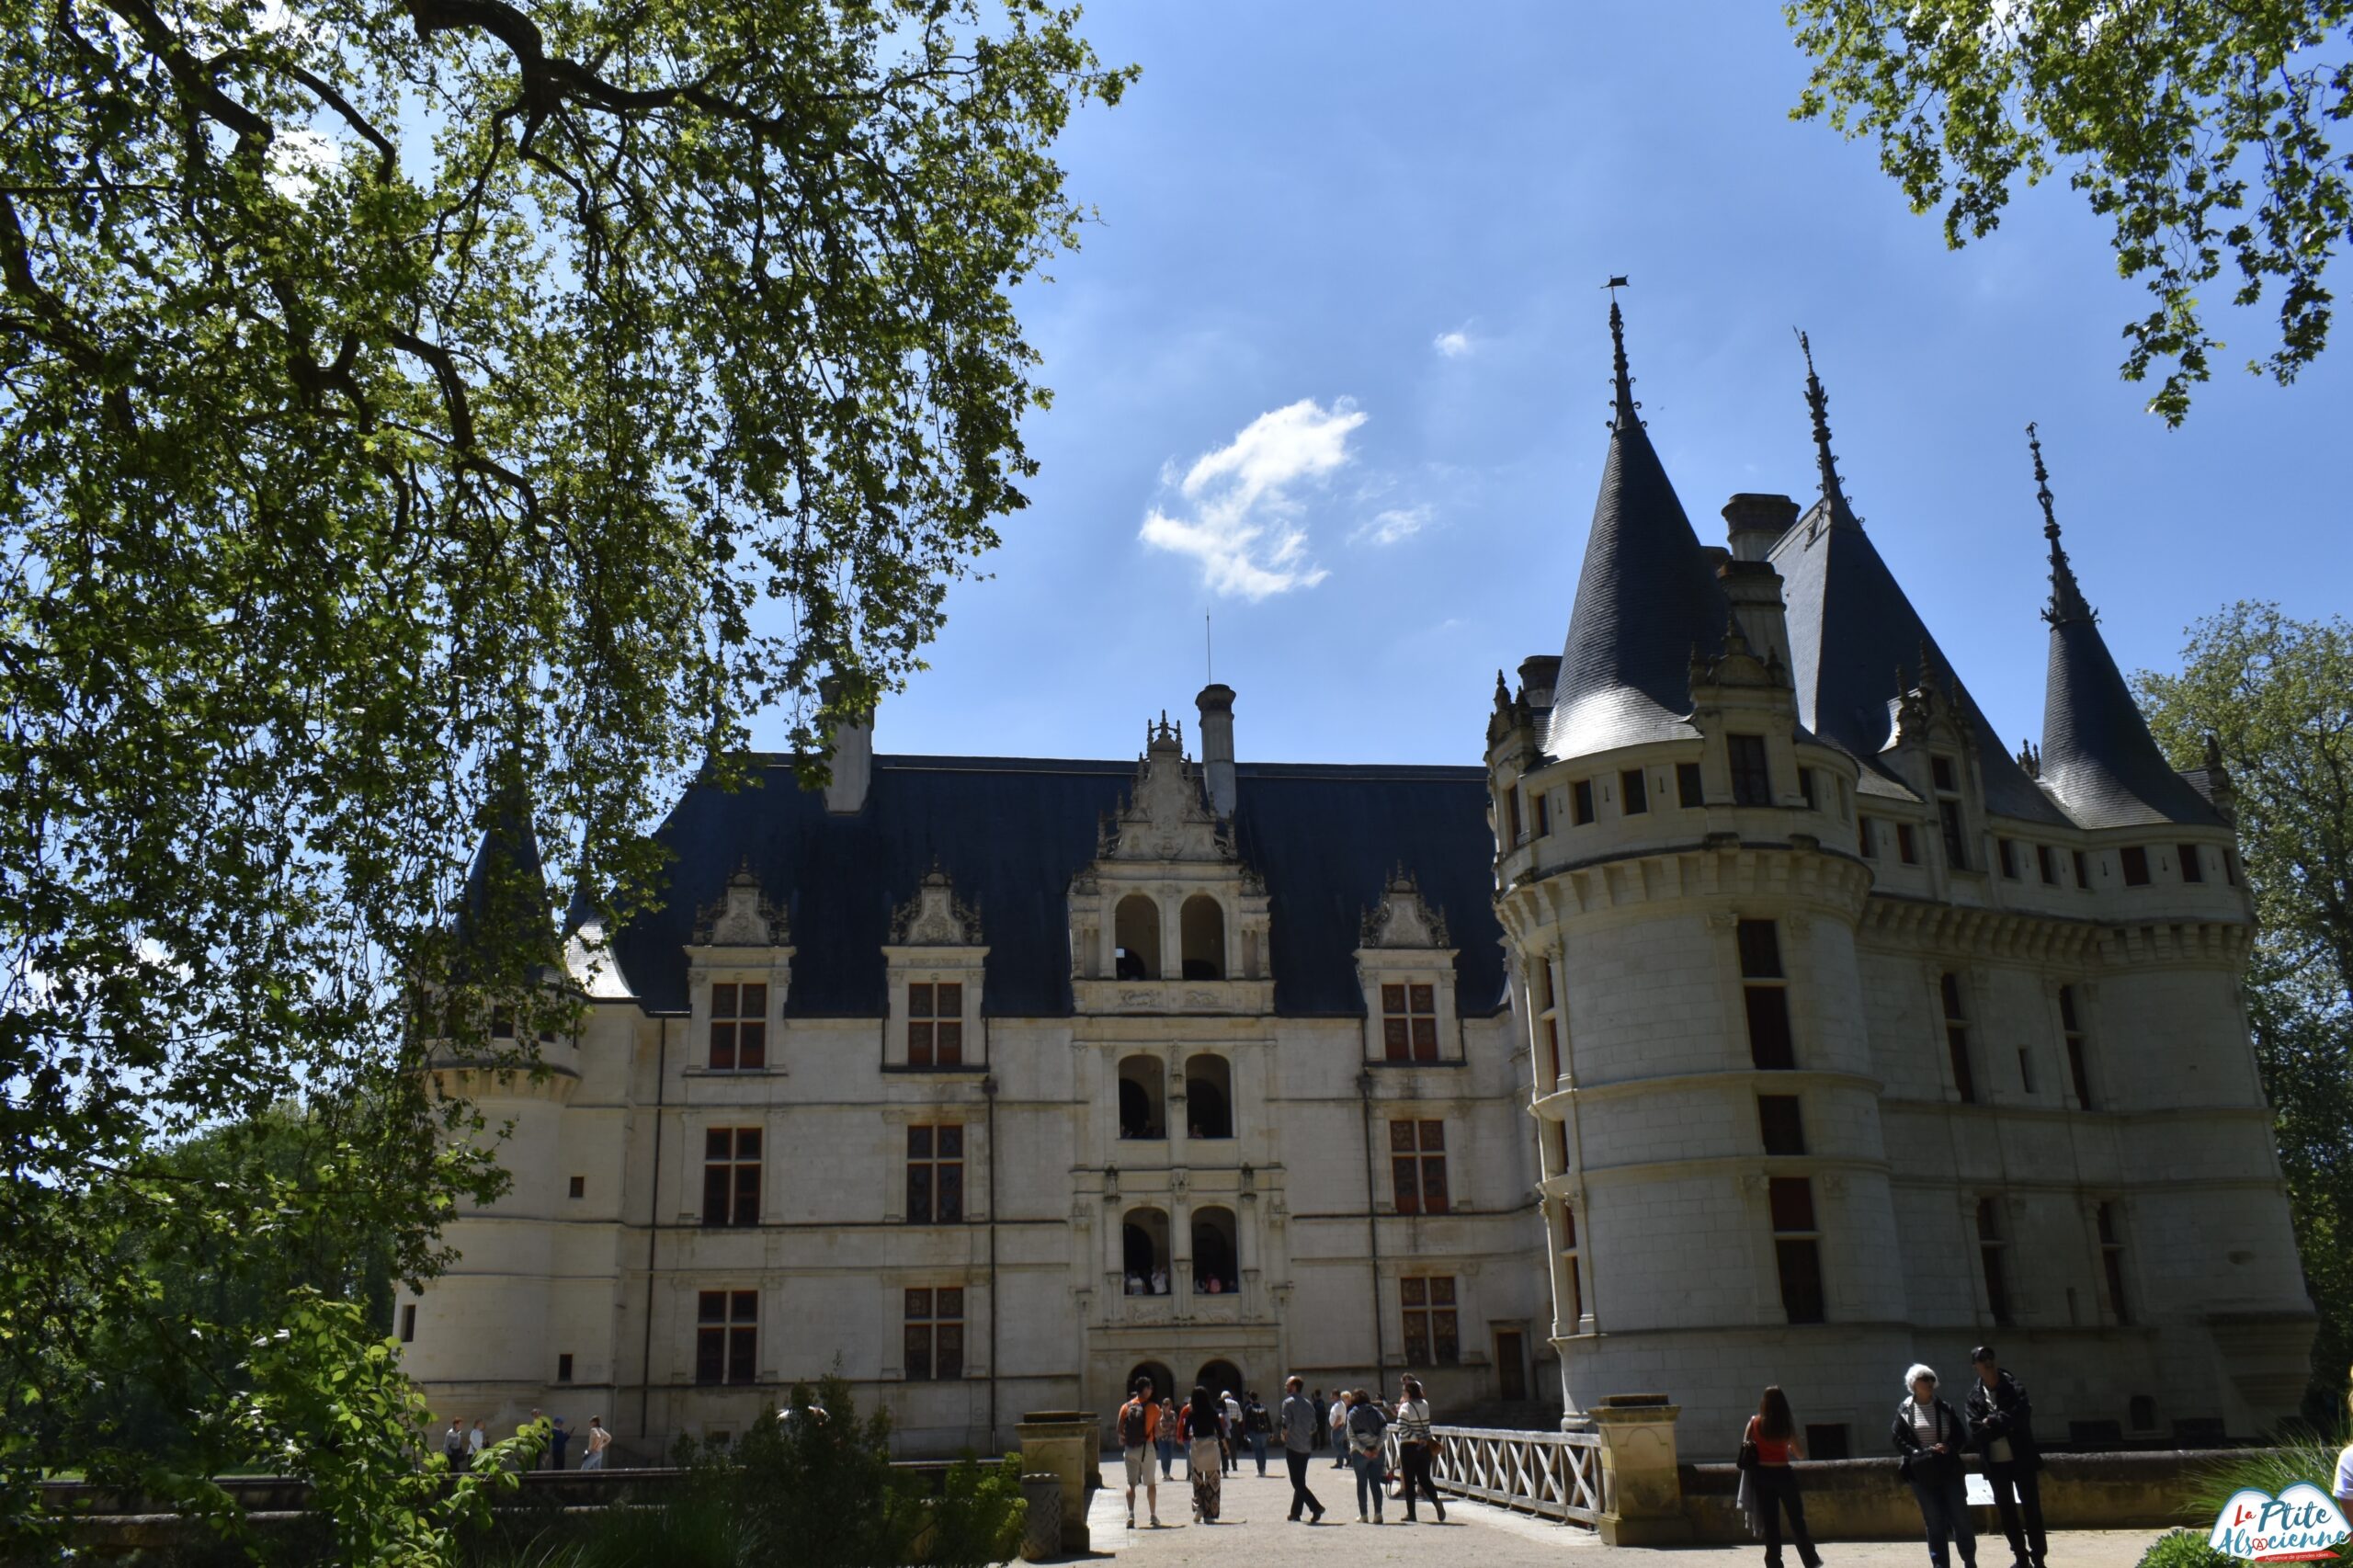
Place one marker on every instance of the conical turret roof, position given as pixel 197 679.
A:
pixel 1646 599
pixel 2098 759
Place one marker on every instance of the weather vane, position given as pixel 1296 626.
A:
pixel 1614 284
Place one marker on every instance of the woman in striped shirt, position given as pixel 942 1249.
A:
pixel 1414 1447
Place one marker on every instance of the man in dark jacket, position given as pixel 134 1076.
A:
pixel 2001 1429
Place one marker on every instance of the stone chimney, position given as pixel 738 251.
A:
pixel 852 761
pixel 1216 705
pixel 1538 674
pixel 1757 523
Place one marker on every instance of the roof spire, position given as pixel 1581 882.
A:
pixel 1834 494
pixel 2066 597
pixel 1623 415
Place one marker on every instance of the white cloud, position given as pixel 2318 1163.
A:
pixel 1395 523
pixel 1454 345
pixel 1243 525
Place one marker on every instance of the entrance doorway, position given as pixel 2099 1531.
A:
pixel 1219 1377
pixel 1511 1373
pixel 1163 1381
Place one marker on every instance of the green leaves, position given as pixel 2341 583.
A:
pixel 427 424
pixel 2207 135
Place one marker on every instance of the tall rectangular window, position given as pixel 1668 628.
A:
pixel 1581 801
pixel 935 1024
pixel 1432 1339
pixel 731 1175
pixel 2008 848
pixel 1751 780
pixel 727 1337
pixel 739 1029
pixel 1907 844
pixel 2191 870
pixel 1633 792
pixel 1408 1022
pixel 1548 1023
pixel 1866 831
pixel 563 1368
pixel 2136 861
pixel 2112 1262
pixel 1418 1167
pixel 1568 1231
pixel 1797 1247
pixel 1766 995
pixel 1511 815
pixel 935 1334
pixel 2071 1026
pixel 408 1324
pixel 1781 1124
pixel 2047 861
pixel 1543 799
pixel 2083 872
pixel 1992 1247
pixel 1687 785
pixel 935 1175
pixel 1805 787
pixel 1956 1037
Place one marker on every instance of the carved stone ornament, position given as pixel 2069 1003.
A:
pixel 1403 918
pixel 935 917
pixel 1166 815
pixel 741 916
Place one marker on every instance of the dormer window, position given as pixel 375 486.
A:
pixel 739 1029
pixel 1409 1022
pixel 935 1024
pixel 1752 779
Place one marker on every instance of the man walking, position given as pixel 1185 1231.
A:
pixel 1256 1425
pixel 476 1440
pixel 1299 1422
pixel 1139 1433
pixel 1231 1454
pixel 453 1445
pixel 598 1441
pixel 2001 1429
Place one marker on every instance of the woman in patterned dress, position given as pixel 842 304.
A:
pixel 1202 1427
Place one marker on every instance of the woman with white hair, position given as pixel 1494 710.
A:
pixel 1930 1437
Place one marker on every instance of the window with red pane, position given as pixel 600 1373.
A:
pixel 1431 1339
pixel 731 1175
pixel 1418 1165
pixel 935 1344
pixel 934 1175
pixel 739 1028
pixel 935 1024
pixel 1409 1022
pixel 727 1337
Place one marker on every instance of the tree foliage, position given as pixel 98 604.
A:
pixel 420 418
pixel 2211 137
pixel 2277 695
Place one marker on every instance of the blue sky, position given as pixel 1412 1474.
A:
pixel 1344 291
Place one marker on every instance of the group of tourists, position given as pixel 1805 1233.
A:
pixel 1996 1422
pixel 1211 1429
pixel 463 1446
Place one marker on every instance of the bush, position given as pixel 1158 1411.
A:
pixel 2269 1471
pixel 2184 1548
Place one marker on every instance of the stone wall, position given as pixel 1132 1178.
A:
pixel 1868 1499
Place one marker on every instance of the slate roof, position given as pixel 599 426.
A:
pixel 1851 628
pixel 1646 597
pixel 2098 757
pixel 1012 832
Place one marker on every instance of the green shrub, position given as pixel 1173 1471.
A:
pixel 2269 1471
pixel 2184 1548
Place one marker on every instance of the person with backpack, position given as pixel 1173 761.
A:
pixel 1256 1425
pixel 1416 1448
pixel 1930 1434
pixel 2001 1425
pixel 1766 1446
pixel 1301 1422
pixel 1201 1426
pixel 1138 1435
pixel 1365 1429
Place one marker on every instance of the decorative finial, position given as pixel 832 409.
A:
pixel 1624 411
pixel 1834 493
pixel 1503 691
pixel 2066 597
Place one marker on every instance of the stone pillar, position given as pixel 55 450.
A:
pixel 1068 1443
pixel 1642 1492
pixel 1041 1532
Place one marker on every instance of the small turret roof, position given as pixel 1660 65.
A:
pixel 2098 759
pixel 1645 599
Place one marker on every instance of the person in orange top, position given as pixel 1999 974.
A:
pixel 1774 1431
pixel 1139 1430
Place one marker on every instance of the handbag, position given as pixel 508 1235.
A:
pixel 1748 1460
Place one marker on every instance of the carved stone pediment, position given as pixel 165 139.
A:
pixel 935 917
pixel 1166 815
pixel 1403 918
pixel 741 917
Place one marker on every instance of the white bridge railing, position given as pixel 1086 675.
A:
pixel 1557 1474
